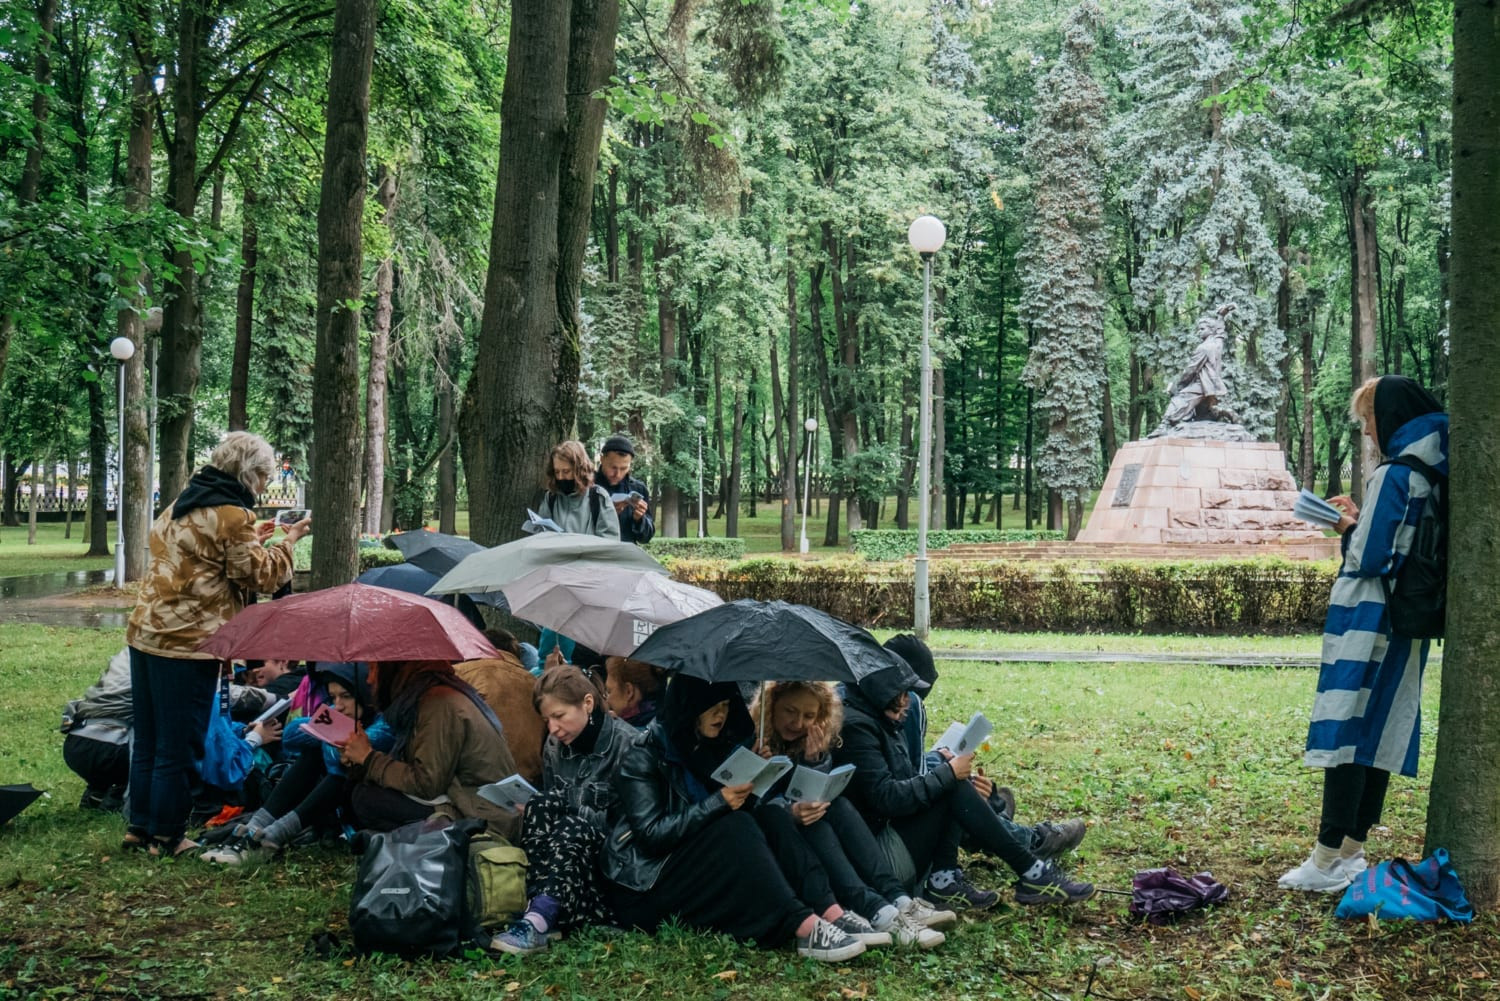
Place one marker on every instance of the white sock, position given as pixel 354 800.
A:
pixel 883 917
pixel 1323 857
pixel 1035 872
pixel 1351 848
pixel 902 902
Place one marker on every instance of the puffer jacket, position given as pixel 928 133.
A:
pixel 657 811
pixel 204 565
pixel 588 779
pixel 887 782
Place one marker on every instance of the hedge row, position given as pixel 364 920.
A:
pixel 1225 596
pixel 711 548
pixel 899 543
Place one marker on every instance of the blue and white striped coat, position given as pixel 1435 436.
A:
pixel 1369 704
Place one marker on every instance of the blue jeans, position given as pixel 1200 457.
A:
pixel 172 700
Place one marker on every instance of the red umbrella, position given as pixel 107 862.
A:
pixel 351 622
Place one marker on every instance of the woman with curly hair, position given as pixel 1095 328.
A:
pixel 802 721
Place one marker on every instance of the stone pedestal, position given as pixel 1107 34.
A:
pixel 1191 491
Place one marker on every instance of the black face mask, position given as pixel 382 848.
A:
pixel 566 487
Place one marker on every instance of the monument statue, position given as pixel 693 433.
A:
pixel 1195 411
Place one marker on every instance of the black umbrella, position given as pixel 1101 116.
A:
pixel 414 580
pixel 14 799
pixel 436 552
pixel 750 640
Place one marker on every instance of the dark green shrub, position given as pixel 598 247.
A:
pixel 706 549
pixel 898 543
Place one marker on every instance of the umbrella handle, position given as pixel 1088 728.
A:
pixel 765 690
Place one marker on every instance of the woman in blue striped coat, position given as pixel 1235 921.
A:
pixel 1366 719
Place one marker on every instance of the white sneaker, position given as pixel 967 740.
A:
pixel 856 927
pixel 928 916
pixel 1354 865
pixel 906 932
pixel 827 944
pixel 1309 877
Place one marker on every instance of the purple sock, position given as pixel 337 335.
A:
pixel 546 909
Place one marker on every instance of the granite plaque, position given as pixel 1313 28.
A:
pixel 1126 490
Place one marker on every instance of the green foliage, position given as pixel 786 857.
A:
pixel 898 544
pixel 712 548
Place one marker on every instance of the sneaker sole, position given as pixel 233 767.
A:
pixel 1051 896
pixel 832 955
pixel 872 938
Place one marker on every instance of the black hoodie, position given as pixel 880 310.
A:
pixel 211 487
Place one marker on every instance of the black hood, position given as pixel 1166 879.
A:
pixel 355 677
pixel 880 688
pixel 211 487
pixel 688 698
pixel 918 657
pixel 1399 400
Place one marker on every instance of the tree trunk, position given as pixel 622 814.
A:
pixel 722 470
pixel 1463 813
pixel 795 436
pixel 244 314
pixel 130 323
pixel 181 331
pixel 98 470
pixel 908 453
pixel 669 513
pixel 380 346
pixel 939 445
pixel 448 464
pixel 1308 462
pixel 1359 218
pixel 732 512
pixel 13 492
pixel 72 496
pixel 36 500
pixel 336 432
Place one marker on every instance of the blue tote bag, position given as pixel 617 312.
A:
pixel 227 759
pixel 1426 891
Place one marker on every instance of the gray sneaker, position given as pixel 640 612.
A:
pixel 827 944
pixel 1052 841
pixel 1052 886
pixel 906 932
pixel 924 913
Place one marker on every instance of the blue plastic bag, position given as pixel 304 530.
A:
pixel 1427 891
pixel 227 758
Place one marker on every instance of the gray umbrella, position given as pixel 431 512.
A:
pixel 610 609
pixel 492 569
pixel 435 552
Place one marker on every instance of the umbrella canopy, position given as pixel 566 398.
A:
pixel 436 552
pixel 492 569
pixel 750 640
pixel 610 609
pixel 413 579
pixel 351 622
pixel 14 799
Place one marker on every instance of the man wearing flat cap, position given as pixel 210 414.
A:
pixel 613 474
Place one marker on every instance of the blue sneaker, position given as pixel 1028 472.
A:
pixel 959 894
pixel 521 939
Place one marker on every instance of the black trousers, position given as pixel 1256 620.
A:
pixel 103 767
pixel 377 808
pixel 1353 796
pixel 724 878
pixel 309 789
pixel 932 837
pixel 857 870
pixel 804 873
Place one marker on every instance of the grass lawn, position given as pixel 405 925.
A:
pixel 52 553
pixel 1198 768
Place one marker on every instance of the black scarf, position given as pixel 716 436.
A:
pixel 1399 400
pixel 589 735
pixel 211 487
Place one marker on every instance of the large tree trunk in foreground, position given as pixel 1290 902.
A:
pixel 129 322
pixel 336 432
pixel 380 346
pixel 1463 814
pixel 244 315
pixel 523 394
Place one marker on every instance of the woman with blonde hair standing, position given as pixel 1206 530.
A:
pixel 208 557
pixel 1366 718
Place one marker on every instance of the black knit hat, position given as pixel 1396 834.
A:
pixel 916 654
pixel 618 443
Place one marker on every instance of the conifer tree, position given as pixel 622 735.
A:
pixel 1062 265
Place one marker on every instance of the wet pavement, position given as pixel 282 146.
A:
pixel 48 585
pixel 27 600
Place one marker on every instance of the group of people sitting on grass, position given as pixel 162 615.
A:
pixel 629 827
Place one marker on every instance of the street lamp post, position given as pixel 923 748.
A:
pixel 122 349
pixel 701 422
pixel 926 235
pixel 811 426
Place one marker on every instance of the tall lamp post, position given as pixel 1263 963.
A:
pixel 811 426
pixel 926 235
pixel 700 422
pixel 122 349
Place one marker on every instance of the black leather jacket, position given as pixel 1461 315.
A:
pixel 656 812
pixel 588 779
pixel 886 783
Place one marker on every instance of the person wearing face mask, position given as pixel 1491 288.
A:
pixel 563 827
pixel 572 499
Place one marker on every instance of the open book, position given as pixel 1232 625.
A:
pixel 329 725
pixel 962 738
pixel 274 709
pixel 629 498
pixel 535 523
pixel 508 793
pixel 744 765
pixel 1312 508
pixel 809 785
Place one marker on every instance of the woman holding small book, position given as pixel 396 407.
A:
pixel 563 828
pixel 802 721
pixel 684 845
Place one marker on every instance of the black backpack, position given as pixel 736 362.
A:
pixel 410 894
pixel 1417 597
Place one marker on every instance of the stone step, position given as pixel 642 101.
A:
pixel 1312 549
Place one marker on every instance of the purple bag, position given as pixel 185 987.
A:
pixel 1162 895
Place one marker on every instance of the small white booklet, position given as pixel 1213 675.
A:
pixel 535 523
pixel 629 498
pixel 961 738
pixel 744 765
pixel 329 725
pixel 1312 508
pixel 275 709
pixel 509 793
pixel 809 785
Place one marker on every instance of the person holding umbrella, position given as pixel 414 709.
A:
pixel 684 845
pixel 207 554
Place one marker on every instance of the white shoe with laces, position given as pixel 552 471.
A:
pixel 927 915
pixel 906 933
pixel 1309 877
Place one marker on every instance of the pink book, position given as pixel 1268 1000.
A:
pixel 329 725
